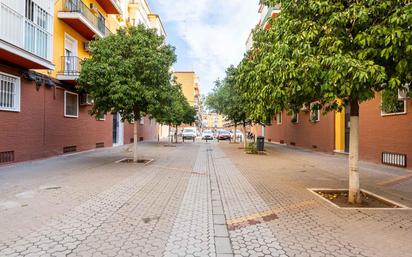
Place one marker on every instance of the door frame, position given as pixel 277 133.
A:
pixel 119 131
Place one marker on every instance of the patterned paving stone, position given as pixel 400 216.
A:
pixel 206 200
pixel 193 232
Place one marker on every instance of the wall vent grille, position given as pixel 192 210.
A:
pixel 100 145
pixel 6 156
pixel 69 149
pixel 394 159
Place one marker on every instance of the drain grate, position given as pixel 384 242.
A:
pixel 6 156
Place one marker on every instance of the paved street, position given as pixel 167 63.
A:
pixel 197 199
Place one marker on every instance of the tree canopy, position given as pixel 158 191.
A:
pixel 334 54
pixel 128 72
pixel 177 111
pixel 331 51
pixel 226 99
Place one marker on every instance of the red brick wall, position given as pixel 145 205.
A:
pixel 305 133
pixel 147 131
pixel 40 129
pixel 384 133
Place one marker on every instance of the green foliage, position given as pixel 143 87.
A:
pixel 327 50
pixel 251 148
pixel 177 110
pixel 128 72
pixel 390 102
pixel 226 98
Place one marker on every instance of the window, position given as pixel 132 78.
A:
pixel 71 104
pixel 295 117
pixel 142 121
pixel 391 104
pixel 9 93
pixel 314 114
pixel 279 118
pixel 101 117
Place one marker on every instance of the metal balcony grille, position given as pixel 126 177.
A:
pixel 70 65
pixel 80 7
pixel 9 93
pixel 394 159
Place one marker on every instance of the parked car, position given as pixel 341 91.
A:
pixel 207 135
pixel 189 133
pixel 223 135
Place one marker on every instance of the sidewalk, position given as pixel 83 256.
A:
pixel 196 199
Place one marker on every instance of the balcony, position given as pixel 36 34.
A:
pixel 110 6
pixel 70 69
pixel 83 19
pixel 26 40
pixel 269 12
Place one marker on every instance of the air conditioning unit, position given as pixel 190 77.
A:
pixel 87 46
pixel 86 99
pixel 93 8
pixel 403 93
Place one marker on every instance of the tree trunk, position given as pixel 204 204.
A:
pixel 159 130
pixel 354 185
pixel 244 135
pixel 136 114
pixel 235 132
pixel 176 135
pixel 170 136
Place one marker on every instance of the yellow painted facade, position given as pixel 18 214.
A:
pixel 213 120
pixel 188 81
pixel 61 29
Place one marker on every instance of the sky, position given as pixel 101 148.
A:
pixel 209 35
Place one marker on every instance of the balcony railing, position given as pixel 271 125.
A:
pixel 32 32
pixel 70 66
pixel 79 7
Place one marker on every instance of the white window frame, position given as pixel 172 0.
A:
pixel 17 94
pixel 101 119
pixel 310 113
pixel 77 96
pixel 297 118
pixel 279 118
pixel 405 110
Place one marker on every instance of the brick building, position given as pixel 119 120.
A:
pixel 41 45
pixel 384 137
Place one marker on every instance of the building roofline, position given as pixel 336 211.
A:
pixel 160 20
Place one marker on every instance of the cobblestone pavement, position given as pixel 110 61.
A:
pixel 193 200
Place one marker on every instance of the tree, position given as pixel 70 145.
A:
pixel 338 53
pixel 177 111
pixel 127 73
pixel 226 100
